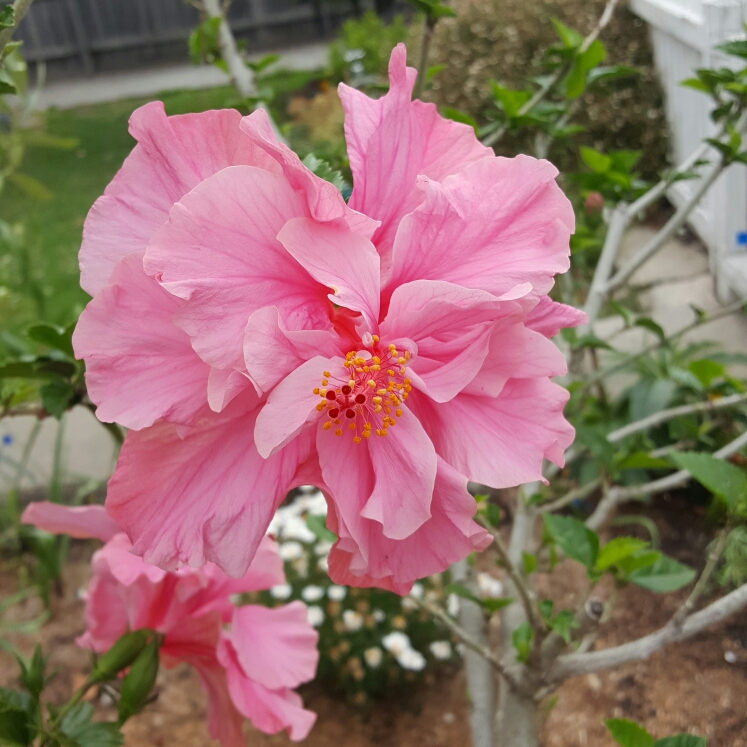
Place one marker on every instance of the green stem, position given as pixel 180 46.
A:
pixel 425 47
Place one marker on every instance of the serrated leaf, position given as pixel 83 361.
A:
pixel 617 549
pixel 717 475
pixel 629 734
pixel 574 538
pixel 664 576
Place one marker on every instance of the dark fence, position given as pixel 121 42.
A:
pixel 74 37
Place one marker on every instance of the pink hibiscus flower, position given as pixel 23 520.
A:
pixel 256 333
pixel 247 670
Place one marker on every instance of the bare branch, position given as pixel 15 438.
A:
pixel 550 83
pixel 675 412
pixel 522 589
pixel 617 495
pixel 572 665
pixel 425 47
pixel 576 494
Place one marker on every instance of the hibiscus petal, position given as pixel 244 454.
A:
pixel 498 223
pixel 548 317
pixel 269 711
pixel 391 141
pixel 219 251
pixel 500 441
pixel 448 536
pixel 275 647
pixel 224 385
pixel 139 366
pixel 271 351
pixel 340 259
pixel 81 522
pixel 404 462
pixel 324 199
pixel 173 155
pixel 290 406
pixel 208 496
pixel 224 720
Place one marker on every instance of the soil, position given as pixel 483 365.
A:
pixel 687 687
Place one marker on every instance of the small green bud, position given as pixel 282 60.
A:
pixel 139 681
pixel 121 655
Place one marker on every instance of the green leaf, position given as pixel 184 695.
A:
pixel 7 17
pixel 717 475
pixel 521 639
pixel 493 514
pixel 545 608
pixel 32 187
pixel 7 87
pixel 665 575
pixel 706 370
pixel 57 397
pixel 324 171
pixel 317 525
pixel 493 605
pixel 610 73
pixel 53 337
pixel 736 48
pixel 575 81
pixel 458 116
pixel 461 591
pixel 265 62
pixel 529 562
pixel 651 326
pixel 681 740
pixel 508 99
pixel 642 460
pixel 574 538
pixel 617 549
pixel 598 162
pixel 77 726
pixel 563 623
pixel 697 84
pixel 629 734
pixel 570 38
pixel 16 712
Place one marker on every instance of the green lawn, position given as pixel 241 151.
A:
pixel 76 178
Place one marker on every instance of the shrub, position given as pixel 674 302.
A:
pixel 504 40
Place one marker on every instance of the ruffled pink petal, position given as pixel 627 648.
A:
pixel 275 647
pixel 391 141
pixel 269 711
pixel 340 259
pixel 500 441
pixel 81 522
pixel 139 366
pixel 324 199
pixel 291 406
pixel 497 224
pixel 272 351
pixel 207 496
pixel 548 317
pixel 219 251
pixel 448 536
pixel 224 721
pixel 173 155
pixel 224 385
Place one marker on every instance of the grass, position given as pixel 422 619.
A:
pixel 53 228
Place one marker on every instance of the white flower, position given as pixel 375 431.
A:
pixel 417 591
pixel 409 604
pixel 373 656
pixel 488 586
pixel 378 615
pixel 352 620
pixel 452 605
pixel 323 565
pixel 312 593
pixel 412 660
pixel 290 551
pixel 441 650
pixel 322 548
pixel 312 503
pixel 315 615
pixel 281 591
pixel 396 642
pixel 337 593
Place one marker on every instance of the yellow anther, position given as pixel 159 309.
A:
pixel 390 372
pixel 351 426
pixel 376 359
pixel 381 391
pixel 356 439
pixel 327 425
pixel 377 408
pixel 316 391
pixel 381 432
pixel 359 369
pixel 324 382
pixel 402 370
pixel 392 348
pixel 371 383
pixel 326 373
pixel 322 392
pixel 366 369
pixel 390 386
pixel 398 413
pixel 351 383
pixel 376 400
pixel 338 432
pixel 366 426
pixel 359 361
pixel 407 381
pixel 321 406
pixel 337 422
pixel 366 434
pixel 401 359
